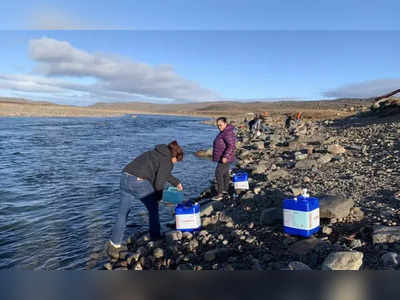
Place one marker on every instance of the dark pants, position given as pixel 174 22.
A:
pixel 131 188
pixel 222 177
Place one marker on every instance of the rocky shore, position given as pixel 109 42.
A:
pixel 352 165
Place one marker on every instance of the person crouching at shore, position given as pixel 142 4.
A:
pixel 224 155
pixel 144 179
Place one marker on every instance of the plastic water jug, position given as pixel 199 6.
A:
pixel 187 217
pixel 241 181
pixel 172 195
pixel 301 215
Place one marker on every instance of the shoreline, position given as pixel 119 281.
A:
pixel 358 229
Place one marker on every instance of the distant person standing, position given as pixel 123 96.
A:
pixel 224 154
pixel 144 179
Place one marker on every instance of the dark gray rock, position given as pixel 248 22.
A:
pixel 298 266
pixel 334 206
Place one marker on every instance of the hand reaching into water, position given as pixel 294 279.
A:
pixel 180 187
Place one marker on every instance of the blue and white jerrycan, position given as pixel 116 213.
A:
pixel 241 181
pixel 187 216
pixel 301 215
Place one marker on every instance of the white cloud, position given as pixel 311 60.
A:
pixel 366 89
pixel 60 64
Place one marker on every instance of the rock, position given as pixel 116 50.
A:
pixel 343 260
pixel 187 235
pixel 217 206
pixel 205 221
pixel 355 244
pixel 390 259
pixel 158 253
pixel 298 266
pixel 185 267
pixel 123 255
pixel 300 156
pixel 142 251
pixel 206 210
pixel 259 145
pixel 108 266
pixel 133 258
pixel 327 230
pixel 278 174
pixel 220 253
pixel 210 255
pixel 304 247
pixel 334 206
pixel 296 191
pixel 357 213
pixel 244 154
pixel 173 235
pixel 259 169
pixel 143 240
pixel 325 159
pixel 204 153
pixel 271 216
pixel 137 267
pixel 193 244
pixel 336 149
pixel 306 164
pixel 386 234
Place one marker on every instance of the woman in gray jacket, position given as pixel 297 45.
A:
pixel 144 179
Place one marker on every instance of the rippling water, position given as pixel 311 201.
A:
pixel 59 186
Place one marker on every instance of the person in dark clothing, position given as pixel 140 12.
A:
pixel 224 155
pixel 289 122
pixel 251 124
pixel 144 179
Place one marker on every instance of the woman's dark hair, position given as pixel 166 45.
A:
pixel 223 119
pixel 176 150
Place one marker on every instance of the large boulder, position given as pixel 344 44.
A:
pixel 334 206
pixel 343 260
pixel 305 246
pixel 205 153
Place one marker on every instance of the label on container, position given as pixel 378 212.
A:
pixel 304 220
pixel 188 221
pixel 241 185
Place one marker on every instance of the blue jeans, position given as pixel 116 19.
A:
pixel 131 188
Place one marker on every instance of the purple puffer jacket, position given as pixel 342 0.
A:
pixel 224 145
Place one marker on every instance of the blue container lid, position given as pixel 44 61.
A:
pixel 240 177
pixel 187 208
pixel 302 203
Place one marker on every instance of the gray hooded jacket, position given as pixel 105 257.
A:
pixel 154 166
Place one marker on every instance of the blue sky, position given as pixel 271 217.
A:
pixel 165 51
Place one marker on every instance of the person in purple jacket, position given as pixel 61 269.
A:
pixel 224 155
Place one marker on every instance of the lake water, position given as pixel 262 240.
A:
pixel 59 186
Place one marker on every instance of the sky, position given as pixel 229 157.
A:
pixel 169 51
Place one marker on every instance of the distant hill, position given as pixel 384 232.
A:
pixel 311 109
pixel 231 106
pixel 24 101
